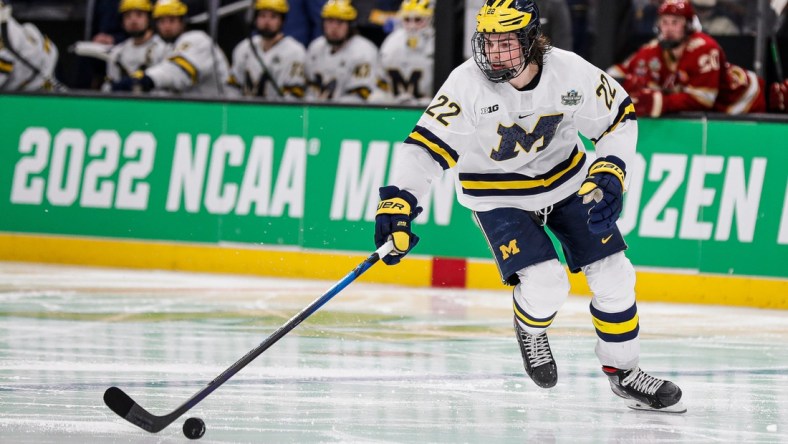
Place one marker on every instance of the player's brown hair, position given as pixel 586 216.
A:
pixel 541 46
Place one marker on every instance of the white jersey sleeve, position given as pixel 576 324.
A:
pixel 441 135
pixel 363 71
pixel 194 65
pixel 34 48
pixel 607 116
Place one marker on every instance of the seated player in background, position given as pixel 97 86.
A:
pixel 684 69
pixel 778 97
pixel 192 66
pixel 142 49
pixel 341 66
pixel 269 64
pixel 407 56
pixel 27 57
pixel 510 123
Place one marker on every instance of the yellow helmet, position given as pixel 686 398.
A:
pixel 422 8
pixel 165 8
pixel 520 17
pixel 279 6
pixel 500 16
pixel 339 10
pixel 134 5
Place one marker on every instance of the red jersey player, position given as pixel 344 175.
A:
pixel 685 69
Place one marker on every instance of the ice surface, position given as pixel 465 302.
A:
pixel 377 364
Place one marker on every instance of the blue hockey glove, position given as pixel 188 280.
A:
pixel 137 82
pixel 604 189
pixel 124 84
pixel 396 211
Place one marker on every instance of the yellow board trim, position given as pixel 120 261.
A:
pixel 659 286
pixel 615 328
pixel 286 263
pixel 435 148
pixel 521 184
pixel 655 286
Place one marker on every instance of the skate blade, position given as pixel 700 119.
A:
pixel 675 408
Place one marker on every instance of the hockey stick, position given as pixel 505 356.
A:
pixel 122 404
pixel 266 71
pixel 775 49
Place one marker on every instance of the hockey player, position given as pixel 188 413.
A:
pixel 27 57
pixel 341 65
pixel 193 65
pixel 407 55
pixel 142 49
pixel 509 120
pixel 270 64
pixel 684 69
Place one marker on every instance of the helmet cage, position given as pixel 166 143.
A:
pixel 526 36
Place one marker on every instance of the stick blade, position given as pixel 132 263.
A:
pixel 125 407
pixel 118 401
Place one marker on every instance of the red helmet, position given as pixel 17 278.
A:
pixel 682 8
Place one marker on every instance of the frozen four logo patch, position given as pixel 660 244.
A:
pixel 571 98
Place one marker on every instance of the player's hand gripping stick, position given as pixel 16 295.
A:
pixel 396 211
pixel 604 189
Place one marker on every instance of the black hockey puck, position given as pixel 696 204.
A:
pixel 194 428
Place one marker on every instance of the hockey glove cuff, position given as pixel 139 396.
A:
pixel 145 83
pixel 604 189
pixel 137 82
pixel 396 211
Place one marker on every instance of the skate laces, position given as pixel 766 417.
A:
pixel 538 348
pixel 642 382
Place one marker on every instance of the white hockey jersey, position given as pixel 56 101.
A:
pixel 24 42
pixel 126 57
pixel 517 148
pixel 282 69
pixel 406 66
pixel 192 66
pixel 347 75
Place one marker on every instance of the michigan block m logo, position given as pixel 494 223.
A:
pixel 508 250
pixel 514 138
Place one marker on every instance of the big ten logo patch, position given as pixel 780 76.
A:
pixel 489 109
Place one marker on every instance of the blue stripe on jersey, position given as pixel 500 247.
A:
pixel 626 111
pixel 440 151
pixel 513 184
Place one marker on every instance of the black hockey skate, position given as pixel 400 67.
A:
pixel 645 392
pixel 537 358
